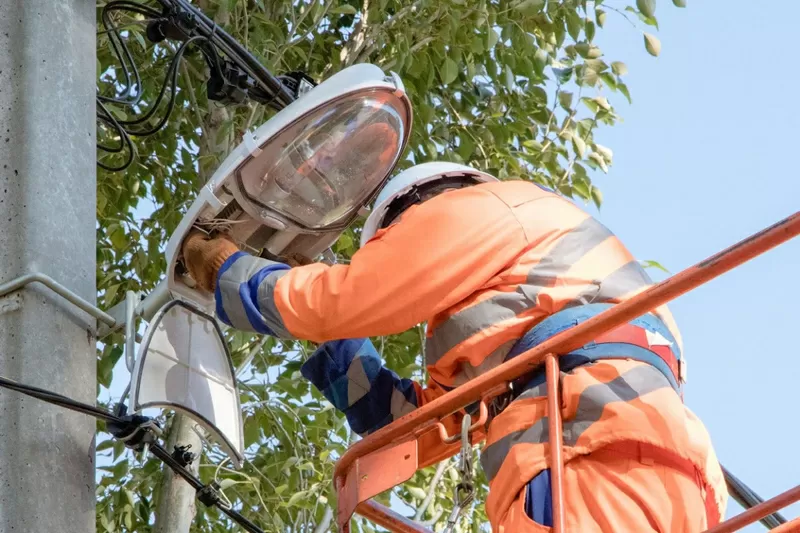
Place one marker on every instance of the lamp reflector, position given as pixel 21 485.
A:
pixel 184 364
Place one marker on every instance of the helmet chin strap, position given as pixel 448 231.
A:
pixel 421 193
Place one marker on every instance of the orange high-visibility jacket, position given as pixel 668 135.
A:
pixel 483 265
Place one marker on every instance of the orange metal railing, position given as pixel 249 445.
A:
pixel 392 455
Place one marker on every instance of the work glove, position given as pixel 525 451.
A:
pixel 203 256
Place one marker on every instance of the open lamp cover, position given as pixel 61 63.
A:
pixel 184 364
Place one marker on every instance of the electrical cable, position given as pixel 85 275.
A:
pixel 125 140
pixel 182 21
pixel 121 51
pixel 743 494
pixel 206 493
pixel 747 498
pixel 235 50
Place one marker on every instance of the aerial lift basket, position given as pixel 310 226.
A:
pixel 392 455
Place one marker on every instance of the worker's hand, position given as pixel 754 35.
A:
pixel 295 260
pixel 203 256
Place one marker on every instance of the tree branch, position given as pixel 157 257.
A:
pixel 324 524
pixel 437 476
pixel 357 38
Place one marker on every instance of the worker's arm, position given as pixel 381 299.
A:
pixel 439 254
pixel 350 374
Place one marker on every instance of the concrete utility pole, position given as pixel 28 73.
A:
pixel 47 224
pixel 177 503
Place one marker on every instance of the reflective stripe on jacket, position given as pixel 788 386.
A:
pixel 604 403
pixel 482 265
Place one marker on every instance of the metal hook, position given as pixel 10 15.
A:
pixel 464 493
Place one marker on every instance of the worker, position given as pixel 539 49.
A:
pixel 495 268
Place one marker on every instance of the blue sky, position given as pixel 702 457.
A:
pixel 705 157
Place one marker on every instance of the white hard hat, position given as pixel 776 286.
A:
pixel 414 177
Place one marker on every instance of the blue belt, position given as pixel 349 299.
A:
pixel 590 352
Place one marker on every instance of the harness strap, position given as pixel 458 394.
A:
pixel 646 339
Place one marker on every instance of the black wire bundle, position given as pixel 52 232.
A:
pixel 206 36
pixel 156 449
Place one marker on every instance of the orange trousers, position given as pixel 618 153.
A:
pixel 622 489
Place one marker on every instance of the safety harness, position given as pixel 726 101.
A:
pixel 646 339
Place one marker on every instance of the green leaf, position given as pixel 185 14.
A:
pixel 597 197
pixel 251 432
pixel 653 264
pixel 118 239
pixel 565 99
pixel 453 475
pixel 588 51
pixel 139 39
pixel 599 160
pixel 491 39
pixel 476 45
pixel 119 448
pixel 650 21
pixel 621 87
pixel 466 147
pixel 227 482
pixel 652 44
pixel 290 462
pixel 297 497
pixel 540 61
pixel 604 151
pixel 120 469
pixel 416 492
pixel 574 24
pixel 345 244
pixel 588 76
pixel 579 145
pixel 529 7
pixel 679 3
pixel 600 15
pixel 609 80
pixel 105 445
pixel 344 9
pixel 590 104
pixel 602 102
pixel 619 68
pixel 582 188
pixel 510 81
pixel 647 7
pixel 589 29
pixel 449 71
pixel 563 74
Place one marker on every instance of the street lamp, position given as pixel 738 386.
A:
pixel 296 183
pixel 290 188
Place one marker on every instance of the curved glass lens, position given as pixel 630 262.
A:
pixel 320 170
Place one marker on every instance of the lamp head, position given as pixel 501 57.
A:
pixel 296 183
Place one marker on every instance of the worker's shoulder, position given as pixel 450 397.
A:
pixel 514 193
